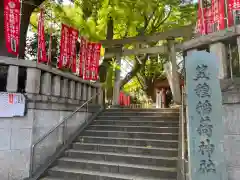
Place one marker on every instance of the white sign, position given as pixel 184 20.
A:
pixel 12 104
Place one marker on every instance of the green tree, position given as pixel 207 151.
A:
pixel 115 19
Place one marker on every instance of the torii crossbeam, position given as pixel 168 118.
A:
pixel 117 44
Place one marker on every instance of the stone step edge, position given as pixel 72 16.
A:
pixel 156 168
pixel 129 139
pixel 164 127
pixel 136 116
pixel 125 146
pixel 125 108
pixel 101 174
pixel 129 132
pixel 130 121
pixel 140 112
pixel 122 154
pixel 50 178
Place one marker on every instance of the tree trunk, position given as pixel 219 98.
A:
pixel 26 14
pixel 150 90
pixel 103 68
pixel 110 28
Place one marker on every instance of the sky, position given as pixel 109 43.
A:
pixel 66 1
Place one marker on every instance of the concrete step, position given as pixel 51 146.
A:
pixel 78 174
pixel 124 134
pixel 51 178
pixel 123 144
pixel 147 150
pixel 123 158
pixel 134 128
pixel 129 141
pixel 137 123
pixel 138 118
pixel 150 114
pixel 121 168
pixel 142 110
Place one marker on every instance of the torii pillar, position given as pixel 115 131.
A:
pixel 117 81
pixel 173 79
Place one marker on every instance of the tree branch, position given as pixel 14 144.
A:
pixel 126 32
pixel 164 19
pixel 33 25
pixel 146 22
pixel 154 11
pixel 135 70
pixel 151 18
pixel 137 76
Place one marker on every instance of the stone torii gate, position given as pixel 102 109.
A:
pixel 117 50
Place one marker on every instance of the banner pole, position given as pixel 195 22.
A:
pixel 226 11
pixel 202 14
pixel 50 38
pixel 38 32
pixel 20 19
pixel 40 25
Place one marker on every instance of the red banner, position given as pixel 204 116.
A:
pixel 125 100
pixel 129 100
pixel 230 12
pixel 232 5
pixel 218 14
pixel 222 14
pixel 95 60
pixel 236 4
pixel 12 25
pixel 64 60
pixel 87 67
pixel 72 49
pixel 212 18
pixel 82 56
pixel 200 28
pixel 205 19
pixel 121 98
pixel 42 54
pixel 208 20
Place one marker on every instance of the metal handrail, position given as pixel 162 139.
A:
pixel 181 140
pixel 56 127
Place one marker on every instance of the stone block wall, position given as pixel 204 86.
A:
pixel 51 96
pixel 231 118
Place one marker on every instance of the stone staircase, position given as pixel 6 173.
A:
pixel 123 144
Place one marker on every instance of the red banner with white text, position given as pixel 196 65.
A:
pixel 87 67
pixel 230 12
pixel 208 20
pixel 205 19
pixel 12 10
pixel 232 5
pixel 82 56
pixel 42 54
pixel 212 19
pixel 64 59
pixel 200 27
pixel 72 49
pixel 95 60
pixel 218 14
